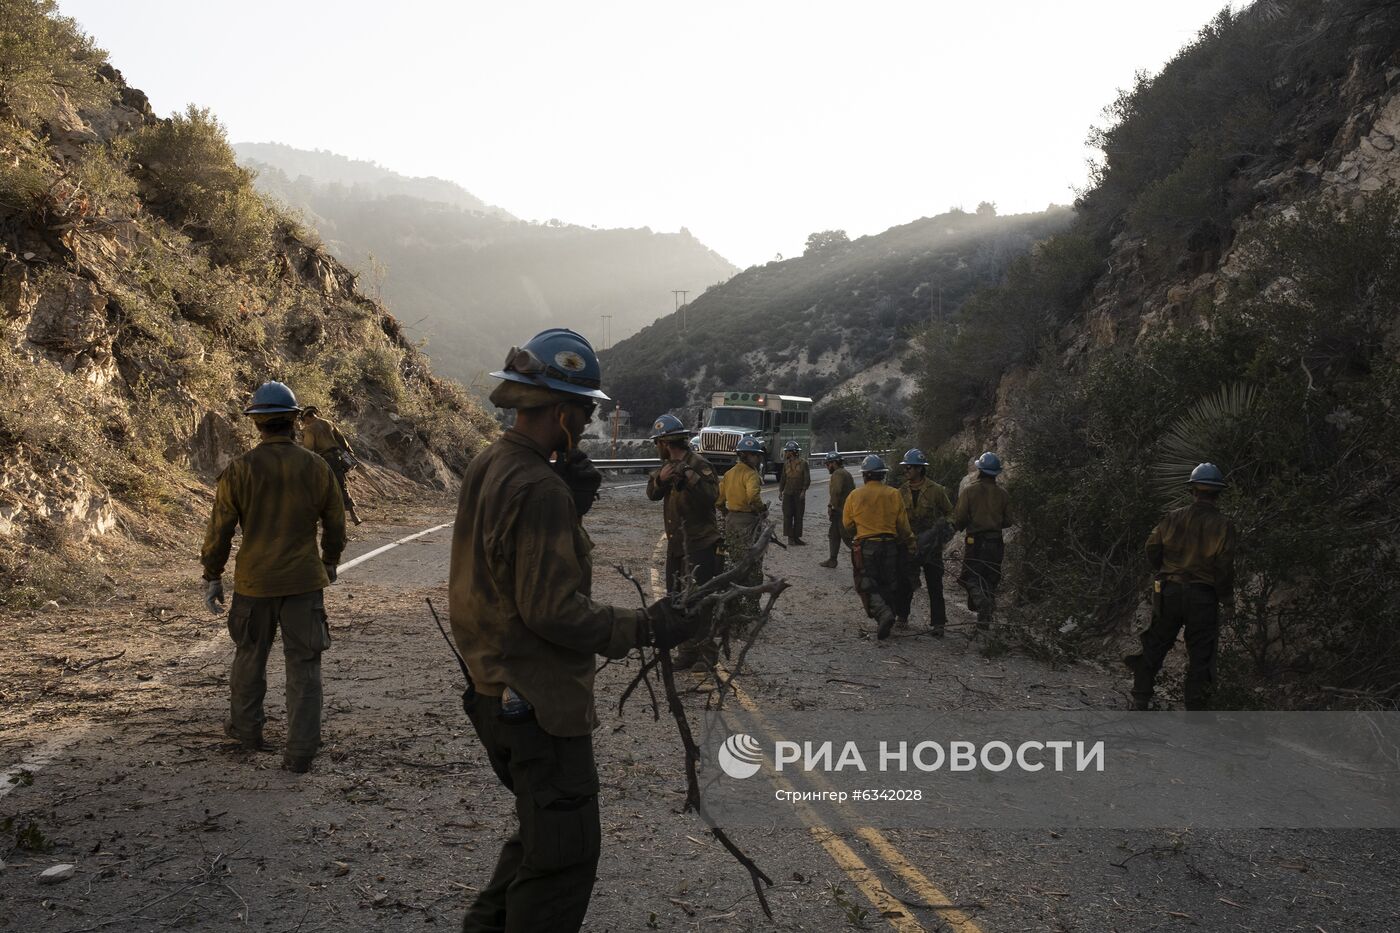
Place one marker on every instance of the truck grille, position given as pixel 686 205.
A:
pixel 718 441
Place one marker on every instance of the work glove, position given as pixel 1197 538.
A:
pixel 330 570
pixel 582 477
pixel 214 596
pixel 667 626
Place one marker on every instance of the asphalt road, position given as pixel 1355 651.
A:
pixel 169 826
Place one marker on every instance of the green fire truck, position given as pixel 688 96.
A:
pixel 773 419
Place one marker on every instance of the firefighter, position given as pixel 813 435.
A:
pixel 519 590
pixel 277 493
pixel 740 503
pixel 1192 554
pixel 874 518
pixel 793 482
pixel 929 509
pixel 837 491
pixel 688 486
pixel 983 512
pixel 321 437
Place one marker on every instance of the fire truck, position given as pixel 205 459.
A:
pixel 772 418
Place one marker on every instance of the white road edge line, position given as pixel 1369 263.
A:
pixel 388 547
pixel 51 750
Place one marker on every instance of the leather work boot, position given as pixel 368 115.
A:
pixel 297 764
pixel 886 623
pixel 936 631
pixel 247 743
pixel 827 563
pixel 798 542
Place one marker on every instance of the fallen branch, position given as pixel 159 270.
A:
pixel 708 599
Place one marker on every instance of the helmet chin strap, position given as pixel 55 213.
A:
pixel 568 435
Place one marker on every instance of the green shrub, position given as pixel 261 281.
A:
pixel 1292 389
pixel 195 182
pixel 45 61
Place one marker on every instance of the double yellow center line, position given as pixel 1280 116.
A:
pixel 866 879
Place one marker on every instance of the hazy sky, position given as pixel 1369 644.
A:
pixel 752 123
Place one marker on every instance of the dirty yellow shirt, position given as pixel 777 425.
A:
pixel 982 507
pixel 1195 544
pixel 739 490
pixel 321 437
pixel 689 498
pixel 795 476
pixel 841 485
pixel 519 585
pixel 276 492
pixel 876 509
pixel 926 509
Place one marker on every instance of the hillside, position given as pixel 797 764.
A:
pixel 838 317
pixel 1229 291
pixel 366 179
pixel 470 278
pixel 145 290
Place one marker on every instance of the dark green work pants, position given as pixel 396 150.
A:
pixel 981 573
pixel 833 534
pixel 253 622
pixel 683 562
pixel 1183 605
pixel 544 875
pixel 879 579
pixel 794 510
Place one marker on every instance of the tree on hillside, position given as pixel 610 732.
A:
pixel 824 240
pixel 987 209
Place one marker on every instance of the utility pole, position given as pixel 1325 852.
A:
pixel 679 295
pixel 607 329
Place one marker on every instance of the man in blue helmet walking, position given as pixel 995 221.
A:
pixel 875 521
pixel 929 510
pixel 983 512
pixel 1192 554
pixel 519 590
pixel 277 493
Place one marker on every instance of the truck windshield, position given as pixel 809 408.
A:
pixel 736 418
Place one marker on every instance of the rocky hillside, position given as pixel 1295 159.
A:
pixel 471 278
pixel 145 289
pixel 1230 291
pixel 834 322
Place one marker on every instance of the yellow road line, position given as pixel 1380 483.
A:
pixel 878 841
pixel 866 880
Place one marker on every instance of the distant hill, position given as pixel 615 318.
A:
pixel 469 277
pixel 836 318
pixel 367 179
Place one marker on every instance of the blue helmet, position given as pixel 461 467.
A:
pixel 791 446
pixel 989 463
pixel 556 359
pixel 914 457
pixel 272 398
pixel 873 464
pixel 833 456
pixel 1207 475
pixel 667 426
pixel 750 445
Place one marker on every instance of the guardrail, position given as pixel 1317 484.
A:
pixel 654 464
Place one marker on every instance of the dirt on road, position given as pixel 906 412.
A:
pixel 110 719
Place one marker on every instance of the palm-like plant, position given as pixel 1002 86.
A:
pixel 1217 428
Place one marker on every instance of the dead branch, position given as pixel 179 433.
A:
pixel 708 599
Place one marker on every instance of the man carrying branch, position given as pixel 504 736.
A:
pixel 520 580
